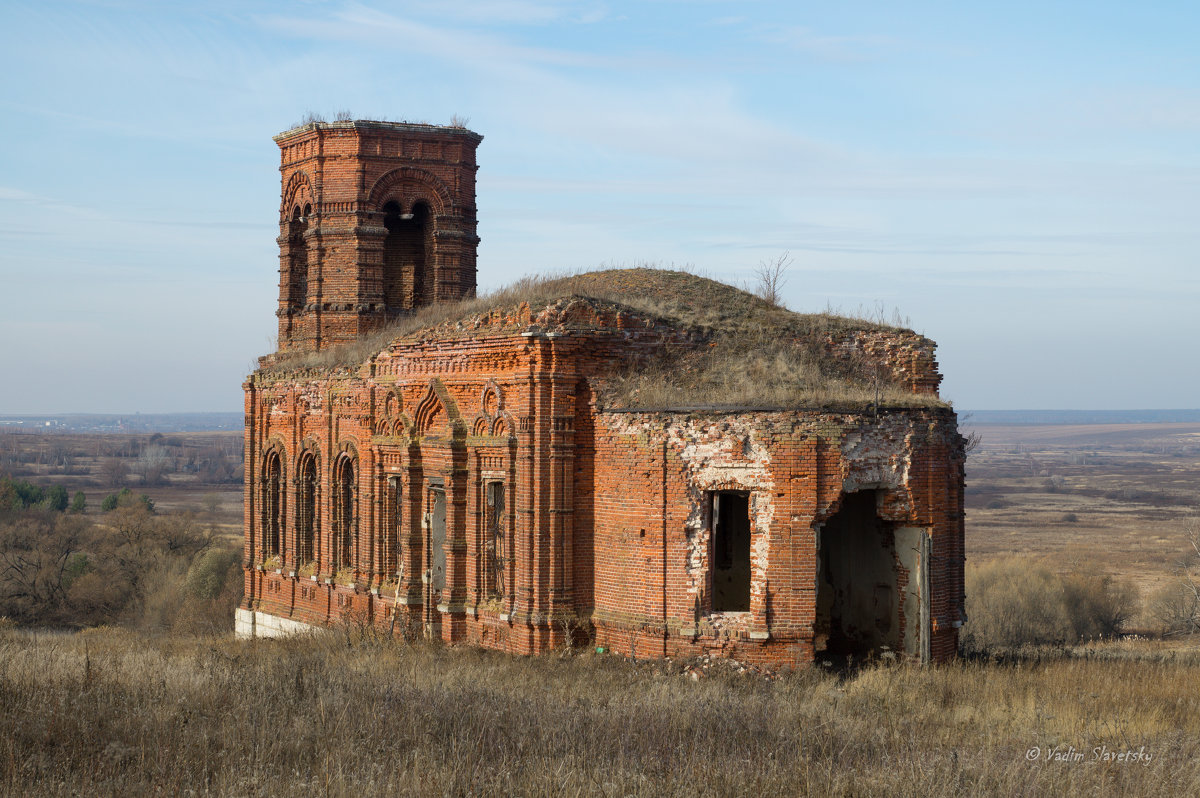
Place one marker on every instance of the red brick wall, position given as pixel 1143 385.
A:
pixel 337 177
pixel 607 538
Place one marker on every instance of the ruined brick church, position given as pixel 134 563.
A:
pixel 645 461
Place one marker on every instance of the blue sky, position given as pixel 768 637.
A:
pixel 1020 180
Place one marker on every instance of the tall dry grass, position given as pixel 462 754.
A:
pixel 111 712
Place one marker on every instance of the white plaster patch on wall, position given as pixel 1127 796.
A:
pixel 878 455
pixel 720 453
pixel 696 568
pixel 762 508
pixel 717 453
pixel 312 398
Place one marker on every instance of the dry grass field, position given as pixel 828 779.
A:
pixel 119 711
pixel 110 712
pixel 1113 498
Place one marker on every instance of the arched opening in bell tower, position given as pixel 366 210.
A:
pixel 404 256
pixel 298 258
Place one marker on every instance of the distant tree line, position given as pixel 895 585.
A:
pixel 113 459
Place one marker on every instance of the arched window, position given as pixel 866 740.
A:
pixel 404 254
pixel 390 550
pixel 306 510
pixel 272 505
pixel 493 540
pixel 298 258
pixel 345 517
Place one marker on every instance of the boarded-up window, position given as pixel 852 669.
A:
pixel 390 549
pixel 493 541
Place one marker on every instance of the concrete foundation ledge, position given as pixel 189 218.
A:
pixel 251 623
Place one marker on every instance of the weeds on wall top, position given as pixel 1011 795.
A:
pixel 721 346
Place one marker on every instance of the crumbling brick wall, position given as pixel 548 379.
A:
pixel 796 467
pixel 607 537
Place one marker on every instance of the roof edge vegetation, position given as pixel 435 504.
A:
pixel 741 350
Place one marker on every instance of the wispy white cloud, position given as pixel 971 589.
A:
pixel 10 194
pixel 523 12
pixel 827 47
pixel 367 25
pixel 511 12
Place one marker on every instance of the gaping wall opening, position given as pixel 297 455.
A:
pixel 297 286
pixel 405 253
pixel 730 514
pixel 858 602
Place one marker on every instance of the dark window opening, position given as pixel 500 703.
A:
pixel 344 519
pixel 493 541
pixel 306 511
pixel 297 261
pixel 272 483
pixel 730 514
pixel 404 256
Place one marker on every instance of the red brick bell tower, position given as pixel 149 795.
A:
pixel 377 220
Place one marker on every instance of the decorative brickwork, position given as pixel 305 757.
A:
pixel 377 219
pixel 468 482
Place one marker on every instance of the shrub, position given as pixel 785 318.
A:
pixel 60 570
pixel 17 494
pixel 1012 603
pixel 1098 605
pixel 56 499
pixel 209 573
pixel 1176 608
pixel 125 498
pixel 79 503
pixel 36 549
pixel 1018 601
pixel 1177 605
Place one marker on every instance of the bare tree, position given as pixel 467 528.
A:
pixel 114 471
pixel 771 276
pixel 1177 605
pixel 153 463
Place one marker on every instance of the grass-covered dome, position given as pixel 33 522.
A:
pixel 722 346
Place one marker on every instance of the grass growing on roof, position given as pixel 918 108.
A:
pixel 751 352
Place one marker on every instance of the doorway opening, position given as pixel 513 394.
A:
pixel 858 605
